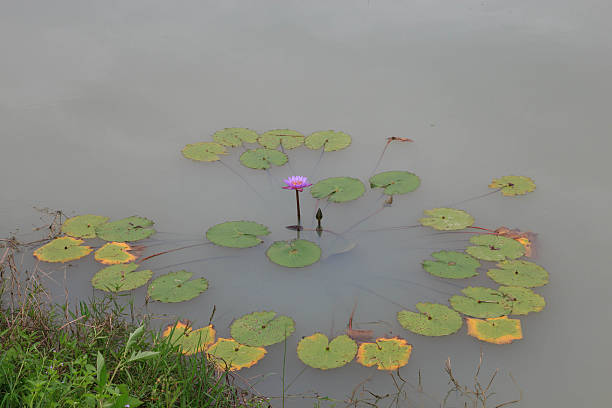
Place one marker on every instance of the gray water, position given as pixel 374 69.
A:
pixel 97 99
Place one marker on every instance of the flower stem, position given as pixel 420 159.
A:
pixel 297 201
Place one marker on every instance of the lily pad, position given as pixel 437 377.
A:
pixel 433 320
pixel 317 351
pixel 176 287
pixel 524 300
pixel 62 249
pixel 294 254
pixel 338 189
pixel 290 139
pixel 452 265
pixel 330 140
pixel 83 226
pixel 386 354
pixel 203 151
pixel 513 185
pixel 113 253
pixel 395 182
pixel 481 302
pixel 233 356
pixel 499 330
pixel 127 229
pixel 519 273
pixel 119 278
pixel 495 248
pixel 234 137
pixel 447 219
pixel 190 341
pixel 262 328
pixel 237 234
pixel 262 159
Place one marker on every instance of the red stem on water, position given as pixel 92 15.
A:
pixel 484 229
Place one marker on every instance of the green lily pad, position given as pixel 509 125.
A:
pixel 490 247
pixel 113 253
pixel 447 219
pixel 190 341
pixel 290 139
pixel 83 226
pixel 62 249
pixel 127 229
pixel 119 278
pixel 203 151
pixel 262 328
pixel 433 320
pixel 234 137
pixel 452 265
pixel 237 234
pixel 176 287
pixel 481 302
pixel 294 254
pixel 513 185
pixel 330 140
pixel 386 354
pixel 524 301
pixel 262 159
pixel 317 351
pixel 500 330
pixel 338 189
pixel 230 355
pixel 519 273
pixel 395 182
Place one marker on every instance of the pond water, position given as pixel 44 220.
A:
pixel 97 102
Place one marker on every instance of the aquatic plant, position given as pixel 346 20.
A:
pixel 317 351
pixel 297 183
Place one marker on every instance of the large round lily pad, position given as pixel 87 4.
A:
pixel 524 300
pixel 234 137
pixel 262 328
pixel 237 234
pixel 230 355
pixel 203 151
pixel 452 265
pixel 519 273
pixel 190 341
pixel 262 159
pixel 386 354
pixel 513 185
pixel 395 182
pixel 290 139
pixel 294 254
pixel 338 189
pixel 489 247
pixel 119 278
pixel 481 302
pixel 62 249
pixel 317 351
pixel 499 330
pixel 113 253
pixel 330 140
pixel 176 287
pixel 83 226
pixel 433 320
pixel 127 229
pixel 447 219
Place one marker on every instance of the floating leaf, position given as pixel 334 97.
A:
pixel 127 229
pixel 513 185
pixel 190 341
pixel 387 354
pixel 395 182
pixel 262 328
pixel 294 254
pixel 527 239
pixel 317 351
pixel 232 356
pixel 114 253
pixel 62 249
pixel 237 234
pixel 261 158
pixel 83 226
pixel 329 139
pixel 447 219
pixel 452 265
pixel 338 189
pixel 519 273
pixel 234 137
pixel 433 320
pixel 499 330
pixel 119 278
pixel 290 139
pixel 524 301
pixel 204 151
pixel 176 287
pixel 481 302
pixel 494 248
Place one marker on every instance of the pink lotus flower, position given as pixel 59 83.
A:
pixel 298 183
